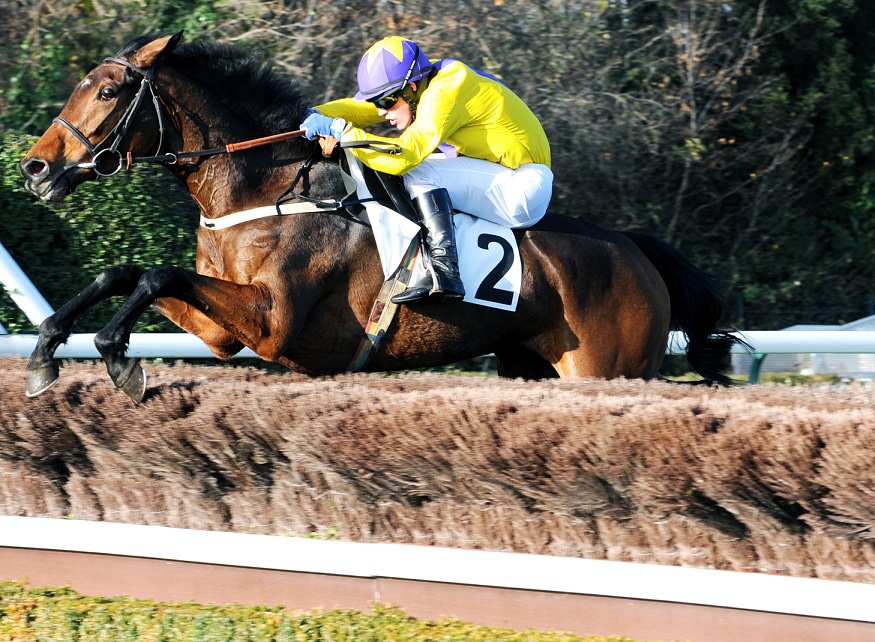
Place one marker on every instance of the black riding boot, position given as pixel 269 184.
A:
pixel 435 212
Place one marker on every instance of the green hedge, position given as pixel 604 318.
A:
pixel 62 615
pixel 142 216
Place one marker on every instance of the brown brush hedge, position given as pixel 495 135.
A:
pixel 771 479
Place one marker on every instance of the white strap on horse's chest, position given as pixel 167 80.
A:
pixel 259 212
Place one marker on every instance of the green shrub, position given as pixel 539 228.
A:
pixel 62 615
pixel 796 379
pixel 142 217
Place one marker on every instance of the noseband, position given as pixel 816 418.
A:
pixel 121 128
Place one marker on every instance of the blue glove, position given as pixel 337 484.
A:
pixel 318 125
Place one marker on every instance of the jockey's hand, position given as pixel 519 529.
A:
pixel 318 125
pixel 329 145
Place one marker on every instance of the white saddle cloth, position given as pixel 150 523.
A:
pixel 489 258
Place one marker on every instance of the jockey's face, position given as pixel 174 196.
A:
pixel 399 114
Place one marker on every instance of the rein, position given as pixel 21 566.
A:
pixel 121 129
pixel 172 158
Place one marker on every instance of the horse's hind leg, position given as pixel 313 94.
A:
pixel 628 342
pixel 42 369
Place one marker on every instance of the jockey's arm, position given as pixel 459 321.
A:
pixel 357 112
pixel 431 127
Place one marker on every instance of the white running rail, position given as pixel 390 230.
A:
pixel 728 589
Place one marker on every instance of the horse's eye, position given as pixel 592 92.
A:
pixel 106 93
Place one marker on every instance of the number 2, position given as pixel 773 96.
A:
pixel 487 290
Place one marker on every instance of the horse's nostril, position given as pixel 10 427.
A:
pixel 33 168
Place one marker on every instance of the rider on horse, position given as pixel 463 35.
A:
pixel 495 162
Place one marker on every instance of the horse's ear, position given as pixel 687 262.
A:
pixel 150 53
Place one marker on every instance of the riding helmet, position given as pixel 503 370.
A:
pixel 388 65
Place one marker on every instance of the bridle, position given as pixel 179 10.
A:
pixel 121 128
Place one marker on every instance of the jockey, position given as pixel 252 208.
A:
pixel 496 160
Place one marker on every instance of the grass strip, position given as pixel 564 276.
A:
pixel 30 614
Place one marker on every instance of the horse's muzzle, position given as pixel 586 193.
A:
pixel 40 181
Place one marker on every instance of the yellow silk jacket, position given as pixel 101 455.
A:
pixel 479 116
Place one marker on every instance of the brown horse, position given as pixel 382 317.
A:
pixel 298 289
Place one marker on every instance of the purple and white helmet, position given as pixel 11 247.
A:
pixel 388 66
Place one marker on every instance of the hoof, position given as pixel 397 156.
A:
pixel 41 379
pixel 135 385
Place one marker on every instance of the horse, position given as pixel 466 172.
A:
pixel 298 290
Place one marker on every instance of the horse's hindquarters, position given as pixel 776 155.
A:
pixel 609 310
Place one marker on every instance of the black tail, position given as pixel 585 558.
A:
pixel 696 307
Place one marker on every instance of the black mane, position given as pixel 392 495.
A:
pixel 244 80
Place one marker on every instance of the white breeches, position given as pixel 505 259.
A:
pixel 509 197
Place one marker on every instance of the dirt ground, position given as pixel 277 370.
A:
pixel 770 479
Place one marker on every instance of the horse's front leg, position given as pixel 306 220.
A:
pixel 244 311
pixel 42 369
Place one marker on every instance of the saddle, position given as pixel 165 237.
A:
pixel 384 188
pixel 489 258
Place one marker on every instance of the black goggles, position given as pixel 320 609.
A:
pixel 388 101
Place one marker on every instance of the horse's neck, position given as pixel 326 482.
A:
pixel 227 182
